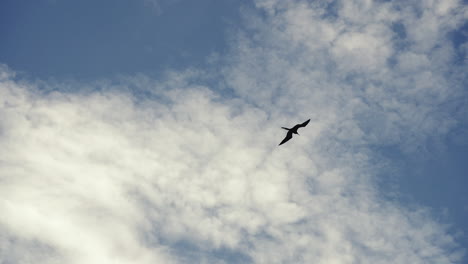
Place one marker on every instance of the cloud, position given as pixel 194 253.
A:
pixel 156 5
pixel 354 67
pixel 138 170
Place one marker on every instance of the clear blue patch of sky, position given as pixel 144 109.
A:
pixel 436 178
pixel 459 37
pixel 91 39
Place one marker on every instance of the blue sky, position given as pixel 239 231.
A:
pixel 54 39
pixel 146 131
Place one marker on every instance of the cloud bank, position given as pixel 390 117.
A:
pixel 138 170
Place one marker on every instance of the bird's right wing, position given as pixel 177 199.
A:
pixel 305 123
pixel 288 137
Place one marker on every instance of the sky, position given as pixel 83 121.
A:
pixel 147 131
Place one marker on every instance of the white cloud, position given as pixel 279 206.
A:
pixel 370 52
pixel 176 173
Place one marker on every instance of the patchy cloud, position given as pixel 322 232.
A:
pixel 172 171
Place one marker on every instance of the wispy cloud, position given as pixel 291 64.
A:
pixel 179 173
pixel 157 5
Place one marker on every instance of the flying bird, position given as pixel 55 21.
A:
pixel 292 131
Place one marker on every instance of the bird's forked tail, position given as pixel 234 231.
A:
pixel 286 128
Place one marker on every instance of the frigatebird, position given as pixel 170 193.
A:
pixel 292 131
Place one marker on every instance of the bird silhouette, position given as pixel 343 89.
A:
pixel 292 131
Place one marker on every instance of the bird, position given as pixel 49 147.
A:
pixel 292 131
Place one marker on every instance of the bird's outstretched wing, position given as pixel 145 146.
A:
pixel 300 125
pixel 288 137
pixel 304 124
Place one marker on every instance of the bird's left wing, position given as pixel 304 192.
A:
pixel 288 137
